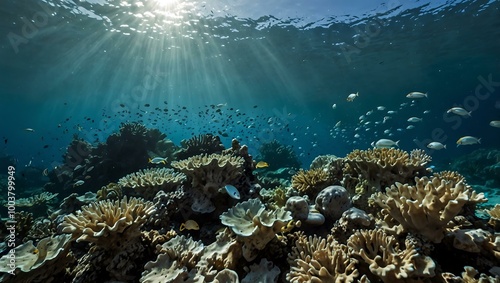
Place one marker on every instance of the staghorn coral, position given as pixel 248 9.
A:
pixel 254 225
pixel 148 182
pixel 208 173
pixel 318 260
pixel 310 182
pixel 382 167
pixel 202 144
pixel 37 264
pixel 386 260
pixel 427 207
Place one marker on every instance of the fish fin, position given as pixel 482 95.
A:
pixel 479 141
pixel 469 113
pixel 425 94
pixel 183 226
pixel 397 143
pixel 444 146
pixel 149 160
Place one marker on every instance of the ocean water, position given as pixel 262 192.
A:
pixel 67 66
pixel 253 70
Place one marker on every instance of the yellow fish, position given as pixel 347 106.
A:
pixel 261 164
pixel 189 225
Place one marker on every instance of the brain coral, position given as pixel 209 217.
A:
pixel 428 206
pixel 382 167
pixel 254 225
pixel 104 222
pixel 318 260
pixel 208 173
pixel 148 182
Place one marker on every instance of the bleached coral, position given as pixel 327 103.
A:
pixel 254 225
pixel 495 217
pixel 386 260
pixel 208 173
pixel 37 264
pixel 318 260
pixel 427 207
pixel 148 182
pixel 40 199
pixel 103 222
pixel 382 167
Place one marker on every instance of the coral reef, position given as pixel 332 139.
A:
pixel 278 155
pixel 254 225
pixel 202 144
pixel 148 182
pixel 427 207
pixel 332 201
pixel 482 166
pixel 310 182
pixel 318 260
pixel 208 173
pixel 383 167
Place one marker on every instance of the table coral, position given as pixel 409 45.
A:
pixel 148 182
pixel 208 173
pixel 386 260
pixel 254 225
pixel 318 260
pixel 428 206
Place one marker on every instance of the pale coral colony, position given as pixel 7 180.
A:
pixel 376 215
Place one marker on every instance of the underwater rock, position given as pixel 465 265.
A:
pixel 332 201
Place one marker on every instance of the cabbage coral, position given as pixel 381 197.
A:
pixel 148 182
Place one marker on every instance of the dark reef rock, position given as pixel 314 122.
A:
pixel 278 155
pixel 202 144
pixel 481 167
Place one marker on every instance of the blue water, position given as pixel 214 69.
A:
pixel 85 67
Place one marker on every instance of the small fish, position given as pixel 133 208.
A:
pixel 459 111
pixel 352 96
pixel 158 160
pixel 220 105
pixel 35 251
pixel 78 183
pixel 334 106
pixel 436 145
pixel 384 143
pixel 468 140
pixel 232 191
pixel 29 130
pixel 338 124
pixel 416 94
pixel 369 113
pixel 381 108
pixel 261 164
pixel 189 225
pixel 427 111
pixel 392 112
pixel 45 172
pixel 495 124
pixel 414 120
pixel 77 167
pixel 410 127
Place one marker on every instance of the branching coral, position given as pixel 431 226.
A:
pixel 382 167
pixel 254 225
pixel 428 206
pixel 148 182
pixel 40 199
pixel 318 260
pixel 310 182
pixel 208 173
pixel 495 217
pixel 386 260
pixel 111 191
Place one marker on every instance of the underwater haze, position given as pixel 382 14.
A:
pixel 84 67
